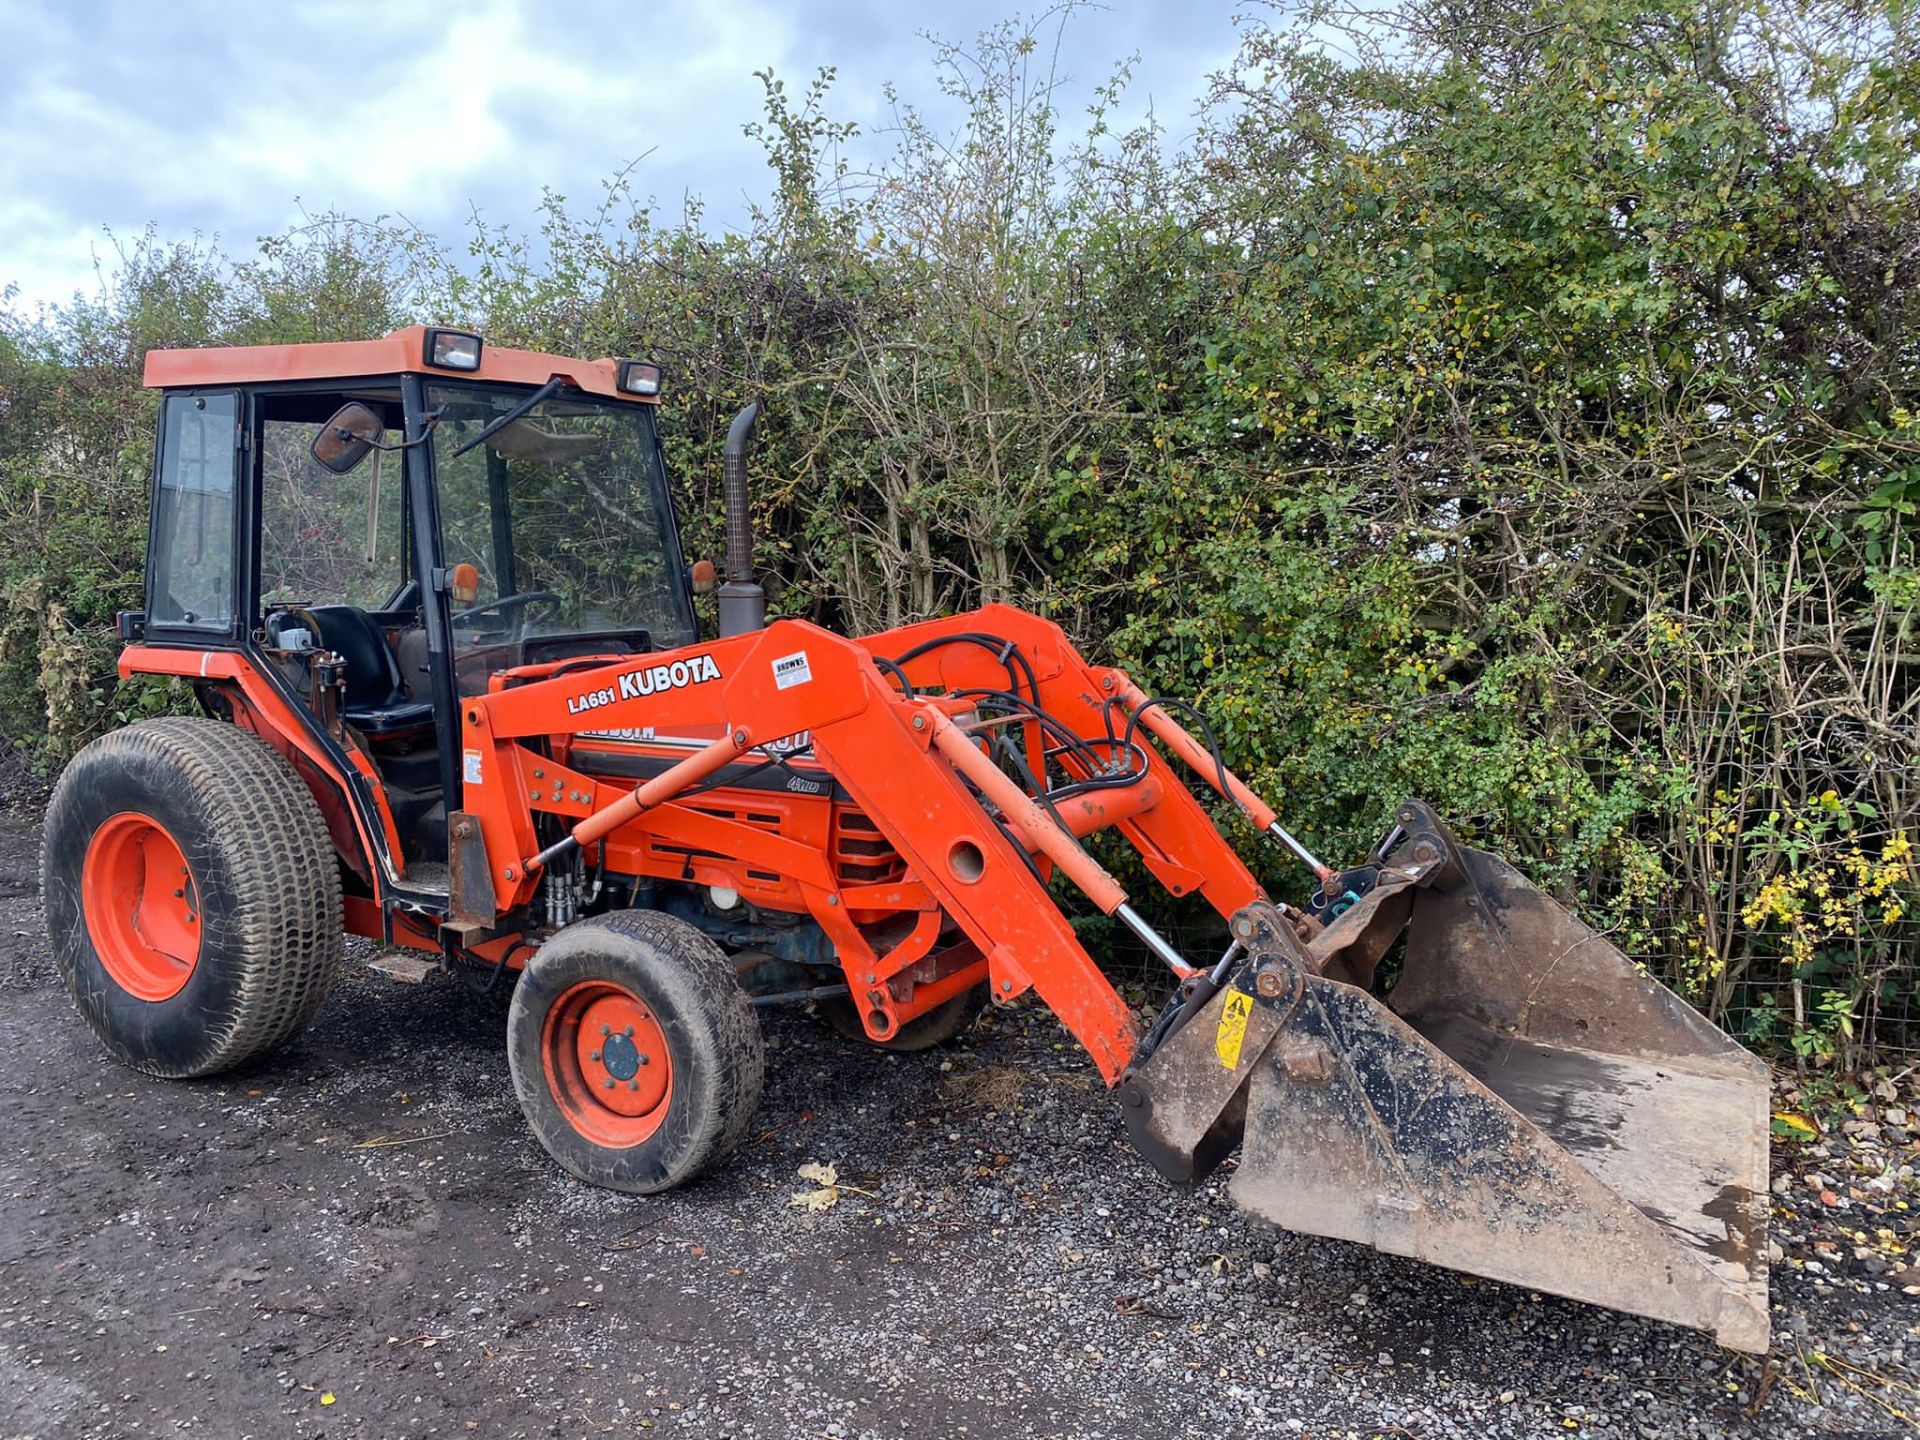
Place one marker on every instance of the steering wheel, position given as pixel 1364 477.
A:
pixel 511 605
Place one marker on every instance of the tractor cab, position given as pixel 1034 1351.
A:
pixel 380 528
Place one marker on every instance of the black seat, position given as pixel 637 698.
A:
pixel 375 701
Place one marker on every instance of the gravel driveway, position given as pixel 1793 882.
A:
pixel 361 1238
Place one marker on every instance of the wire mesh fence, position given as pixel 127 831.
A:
pixel 1815 961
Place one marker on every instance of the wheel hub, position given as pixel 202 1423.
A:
pixel 142 906
pixel 620 1056
pixel 607 1063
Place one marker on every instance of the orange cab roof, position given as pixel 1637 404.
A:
pixel 401 352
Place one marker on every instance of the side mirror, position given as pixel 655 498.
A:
pixel 343 442
pixel 704 577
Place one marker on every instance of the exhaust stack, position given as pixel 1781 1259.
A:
pixel 743 603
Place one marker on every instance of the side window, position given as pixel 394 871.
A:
pixel 190 581
pixel 325 538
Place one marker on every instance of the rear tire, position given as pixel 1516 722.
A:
pixel 944 1022
pixel 192 895
pixel 636 1056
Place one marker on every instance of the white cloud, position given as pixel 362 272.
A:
pixel 202 118
pixel 419 138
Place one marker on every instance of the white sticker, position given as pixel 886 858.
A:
pixel 471 772
pixel 792 670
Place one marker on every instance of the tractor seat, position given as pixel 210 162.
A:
pixel 376 703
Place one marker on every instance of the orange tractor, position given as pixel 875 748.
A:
pixel 430 596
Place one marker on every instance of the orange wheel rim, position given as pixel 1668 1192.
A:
pixel 142 906
pixel 607 1064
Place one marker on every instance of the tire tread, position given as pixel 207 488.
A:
pixel 736 1068
pixel 283 935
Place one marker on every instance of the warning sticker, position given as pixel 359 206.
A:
pixel 470 770
pixel 1232 1033
pixel 792 670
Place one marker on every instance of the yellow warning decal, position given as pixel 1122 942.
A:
pixel 1232 1033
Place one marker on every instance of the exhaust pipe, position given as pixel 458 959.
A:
pixel 743 603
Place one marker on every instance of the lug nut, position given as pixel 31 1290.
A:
pixel 610 1082
pixel 594 1056
pixel 606 1030
pixel 628 1032
pixel 633 1085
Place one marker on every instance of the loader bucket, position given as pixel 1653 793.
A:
pixel 1523 1104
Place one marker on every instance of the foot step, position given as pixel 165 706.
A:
pixel 406 966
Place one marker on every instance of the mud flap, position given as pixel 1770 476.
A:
pixel 1524 1106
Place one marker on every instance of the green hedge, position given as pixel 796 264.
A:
pixel 1509 405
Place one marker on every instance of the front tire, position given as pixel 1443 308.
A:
pixel 192 896
pixel 636 1056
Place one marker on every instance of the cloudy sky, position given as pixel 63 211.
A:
pixel 229 120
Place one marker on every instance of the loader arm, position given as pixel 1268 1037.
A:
pixel 978 850
pixel 1432 1123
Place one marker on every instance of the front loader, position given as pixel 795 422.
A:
pixel 430 597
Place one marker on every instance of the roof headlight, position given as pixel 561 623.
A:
pixel 453 349
pixel 639 377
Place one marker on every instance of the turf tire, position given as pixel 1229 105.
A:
pixel 267 884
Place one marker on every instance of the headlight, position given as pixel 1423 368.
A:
pixel 453 350
pixel 639 377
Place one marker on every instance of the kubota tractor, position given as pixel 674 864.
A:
pixel 430 596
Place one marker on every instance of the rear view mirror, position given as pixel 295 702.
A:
pixel 343 442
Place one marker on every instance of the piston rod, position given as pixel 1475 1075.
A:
pixel 1285 837
pixel 1150 937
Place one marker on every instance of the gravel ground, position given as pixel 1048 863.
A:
pixel 360 1238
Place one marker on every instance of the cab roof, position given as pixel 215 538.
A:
pixel 402 352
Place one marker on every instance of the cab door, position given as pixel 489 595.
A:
pixel 192 571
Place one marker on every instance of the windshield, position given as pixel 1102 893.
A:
pixel 563 515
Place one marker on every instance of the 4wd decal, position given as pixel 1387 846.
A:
pixel 638 684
